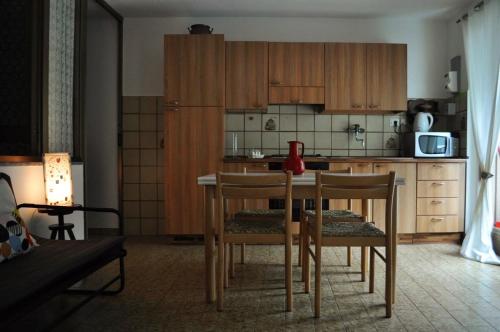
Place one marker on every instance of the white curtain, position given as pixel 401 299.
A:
pixel 481 31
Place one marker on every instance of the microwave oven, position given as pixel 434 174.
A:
pixel 429 145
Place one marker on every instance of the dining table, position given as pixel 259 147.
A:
pixel 303 187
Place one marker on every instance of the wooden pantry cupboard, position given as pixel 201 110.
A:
pixel 194 125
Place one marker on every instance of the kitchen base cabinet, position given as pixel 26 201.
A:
pixel 406 199
pixel 441 197
pixel 194 146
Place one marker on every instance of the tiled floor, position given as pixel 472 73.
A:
pixel 436 290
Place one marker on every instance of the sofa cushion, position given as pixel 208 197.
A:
pixel 51 265
pixel 14 236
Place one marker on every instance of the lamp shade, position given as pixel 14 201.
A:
pixel 57 176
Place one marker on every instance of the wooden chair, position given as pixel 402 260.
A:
pixel 251 214
pixel 335 216
pixel 237 231
pixel 334 186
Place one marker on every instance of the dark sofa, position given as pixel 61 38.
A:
pixel 52 268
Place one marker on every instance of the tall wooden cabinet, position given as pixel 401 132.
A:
pixel 194 70
pixel 365 77
pixel 194 146
pixel 246 75
pixel 194 125
pixel 293 69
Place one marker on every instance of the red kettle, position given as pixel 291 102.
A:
pixel 294 162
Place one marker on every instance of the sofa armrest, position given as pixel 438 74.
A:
pixel 78 208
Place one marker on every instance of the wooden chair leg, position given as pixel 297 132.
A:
pixel 231 260
pixel 301 252
pixel 220 276
pixel 349 256
pixel 317 279
pixel 388 282
pixel 242 253
pixel 226 265
pixel 364 254
pixel 288 272
pixel 372 270
pixel 307 263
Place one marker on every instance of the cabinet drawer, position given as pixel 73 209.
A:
pixel 438 224
pixel 438 171
pixel 296 95
pixel 437 188
pixel 437 206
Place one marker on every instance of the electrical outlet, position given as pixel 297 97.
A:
pixel 394 122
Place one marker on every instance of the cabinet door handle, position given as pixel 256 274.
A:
pixel 437 166
pixel 437 219
pixel 275 82
pixel 172 109
pixel 173 102
pixel 438 183
pixel 372 106
pixel 437 202
pixel 295 101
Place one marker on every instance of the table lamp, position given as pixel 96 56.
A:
pixel 57 177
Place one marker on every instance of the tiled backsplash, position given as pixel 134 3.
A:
pixel 323 134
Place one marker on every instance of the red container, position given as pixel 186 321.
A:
pixel 295 162
pixel 497 224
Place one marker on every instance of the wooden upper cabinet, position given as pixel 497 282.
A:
pixel 194 70
pixel 386 77
pixel 345 77
pixel 296 64
pixel 246 75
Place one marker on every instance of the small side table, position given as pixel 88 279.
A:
pixel 59 228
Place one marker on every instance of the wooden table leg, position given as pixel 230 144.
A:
pixel 394 242
pixel 209 244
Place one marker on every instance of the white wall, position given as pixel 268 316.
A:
pixel 27 181
pixel 101 115
pixel 427 44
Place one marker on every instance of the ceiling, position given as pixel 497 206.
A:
pixel 289 8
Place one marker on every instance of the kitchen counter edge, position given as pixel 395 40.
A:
pixel 243 160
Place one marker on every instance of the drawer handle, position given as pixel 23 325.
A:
pixel 275 82
pixel 437 219
pixel 172 109
pixel 437 166
pixel 438 183
pixel 173 102
pixel 437 202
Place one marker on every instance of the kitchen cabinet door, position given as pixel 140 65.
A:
pixel 357 205
pixel 246 75
pixel 194 70
pixel 296 95
pixel 296 64
pixel 194 146
pixel 234 205
pixel 407 199
pixel 386 77
pixel 345 77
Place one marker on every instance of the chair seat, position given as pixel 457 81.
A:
pixel 260 213
pixel 256 226
pixel 336 216
pixel 351 229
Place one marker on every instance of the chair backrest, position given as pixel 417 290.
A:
pixel 254 186
pixel 337 186
pixel 348 170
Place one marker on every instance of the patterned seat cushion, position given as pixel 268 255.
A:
pixel 256 226
pixel 351 229
pixel 336 216
pixel 260 213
